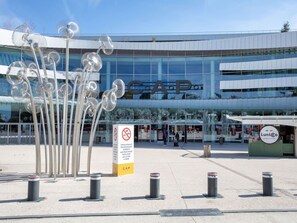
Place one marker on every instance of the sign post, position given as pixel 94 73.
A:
pixel 123 150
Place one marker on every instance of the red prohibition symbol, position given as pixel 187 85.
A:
pixel 126 134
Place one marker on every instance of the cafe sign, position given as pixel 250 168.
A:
pixel 269 134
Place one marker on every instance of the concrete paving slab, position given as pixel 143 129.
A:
pixel 183 173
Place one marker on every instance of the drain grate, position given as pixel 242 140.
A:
pixel 190 212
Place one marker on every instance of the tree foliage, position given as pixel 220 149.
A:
pixel 286 27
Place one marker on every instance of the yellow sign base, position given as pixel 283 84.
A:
pixel 122 169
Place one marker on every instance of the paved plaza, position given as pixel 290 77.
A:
pixel 183 172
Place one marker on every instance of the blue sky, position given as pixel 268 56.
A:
pixel 149 16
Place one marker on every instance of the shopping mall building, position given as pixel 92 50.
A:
pixel 184 83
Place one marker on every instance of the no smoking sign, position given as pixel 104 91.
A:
pixel 126 134
pixel 123 150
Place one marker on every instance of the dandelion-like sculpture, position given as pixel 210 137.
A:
pixel 65 142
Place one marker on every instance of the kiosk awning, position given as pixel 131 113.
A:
pixel 265 120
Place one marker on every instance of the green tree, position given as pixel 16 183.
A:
pixel 286 27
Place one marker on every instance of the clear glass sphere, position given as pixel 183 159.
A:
pixel 24 88
pixel 38 106
pixel 62 90
pixel 52 57
pixel 92 104
pixel 15 92
pixel 20 34
pixel 16 72
pixel 69 29
pixel 36 40
pixel 118 87
pixel 31 72
pixel 92 86
pixel 106 44
pixel 109 100
pixel 28 107
pixel 91 61
pixel 76 76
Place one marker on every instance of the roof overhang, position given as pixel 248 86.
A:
pixel 265 120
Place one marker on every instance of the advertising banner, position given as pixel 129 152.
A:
pixel 123 150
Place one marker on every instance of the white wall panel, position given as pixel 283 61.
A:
pixel 50 73
pixel 288 63
pixel 259 83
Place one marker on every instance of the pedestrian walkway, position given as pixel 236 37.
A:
pixel 192 146
pixel 183 181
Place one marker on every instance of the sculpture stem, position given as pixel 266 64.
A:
pixel 36 132
pixel 92 135
pixel 58 115
pixel 65 116
pixel 52 113
pixel 70 123
pixel 44 137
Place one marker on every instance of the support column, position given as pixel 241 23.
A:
pixel 205 123
pixel 167 133
pixel 212 79
pixel 212 126
pixel 295 142
pixel 107 75
pixel 159 96
pixel 242 133
pixel 19 133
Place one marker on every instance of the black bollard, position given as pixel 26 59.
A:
pixel 212 178
pixel 267 184
pixel 155 187
pixel 95 187
pixel 33 188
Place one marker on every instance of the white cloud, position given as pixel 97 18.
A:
pixel 93 3
pixel 10 22
pixel 8 19
pixel 68 10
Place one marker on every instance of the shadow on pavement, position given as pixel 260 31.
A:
pixel 192 197
pixel 13 201
pixel 13 176
pixel 72 199
pixel 133 198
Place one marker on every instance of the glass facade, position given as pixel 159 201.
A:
pixel 171 77
pixel 190 77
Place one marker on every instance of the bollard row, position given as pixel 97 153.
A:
pixel 155 188
pixel 95 187
pixel 267 184
pixel 33 188
pixel 212 184
pixel 154 185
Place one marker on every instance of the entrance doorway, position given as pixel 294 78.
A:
pixel 187 133
pixel 142 133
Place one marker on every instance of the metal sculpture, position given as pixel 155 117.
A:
pixel 61 143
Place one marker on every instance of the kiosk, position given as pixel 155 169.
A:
pixel 276 138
